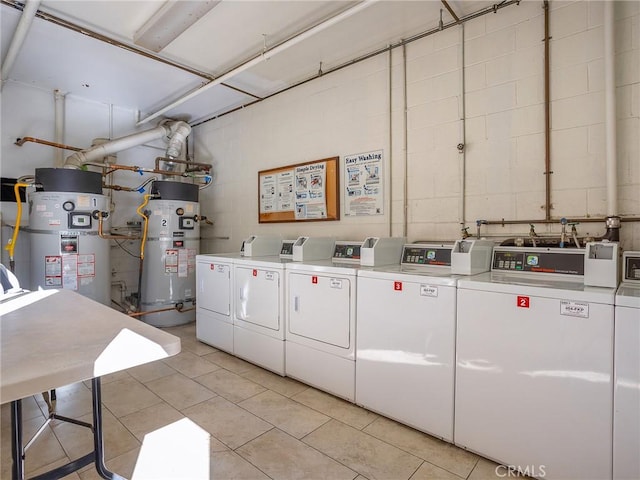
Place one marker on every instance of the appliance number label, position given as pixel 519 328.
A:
pixel 269 276
pixel 335 283
pixel 428 291
pixel 574 309
pixel 397 286
pixel 255 272
pixel 522 301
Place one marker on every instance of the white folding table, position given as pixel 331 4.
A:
pixel 53 338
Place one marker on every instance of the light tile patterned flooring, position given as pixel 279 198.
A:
pixel 261 426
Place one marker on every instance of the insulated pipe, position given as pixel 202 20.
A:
pixel 263 56
pixel 610 108
pixel 406 146
pixel 165 129
pixel 24 24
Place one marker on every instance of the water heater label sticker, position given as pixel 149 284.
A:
pixel 53 271
pixel 269 276
pixel 188 208
pixel 70 272
pixel 428 291
pixel 68 243
pixel 335 283
pixel 171 261
pixel 574 309
pixel 183 263
pixel 41 208
pixel 83 201
pixel 46 214
pixel 191 260
pixel 87 266
pixel 54 222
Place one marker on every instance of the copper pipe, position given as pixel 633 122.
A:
pixel 23 140
pixel 168 309
pixel 547 116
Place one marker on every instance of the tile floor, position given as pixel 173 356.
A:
pixel 232 420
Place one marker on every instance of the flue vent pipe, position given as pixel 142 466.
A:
pixel 180 130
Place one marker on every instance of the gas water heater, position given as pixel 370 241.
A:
pixel 173 239
pixel 66 249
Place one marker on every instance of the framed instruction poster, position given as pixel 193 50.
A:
pixel 306 191
pixel 363 184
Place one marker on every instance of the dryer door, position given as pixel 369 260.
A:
pixel 319 308
pixel 257 294
pixel 214 282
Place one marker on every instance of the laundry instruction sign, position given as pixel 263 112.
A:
pixel 363 184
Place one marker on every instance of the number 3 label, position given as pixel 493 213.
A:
pixel 523 302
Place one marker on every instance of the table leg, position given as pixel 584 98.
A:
pixel 98 444
pixel 17 453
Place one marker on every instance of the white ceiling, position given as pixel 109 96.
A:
pixel 230 34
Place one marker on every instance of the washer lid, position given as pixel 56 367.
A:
pixel 629 296
pixel 538 286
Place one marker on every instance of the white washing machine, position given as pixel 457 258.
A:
pixel 214 280
pixel 534 365
pixel 321 305
pixel 406 324
pixel 626 398
pixel 259 313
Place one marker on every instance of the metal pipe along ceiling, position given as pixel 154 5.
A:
pixel 263 56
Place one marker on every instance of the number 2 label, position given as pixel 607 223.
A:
pixel 523 302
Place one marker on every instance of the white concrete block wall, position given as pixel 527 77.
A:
pixel 348 112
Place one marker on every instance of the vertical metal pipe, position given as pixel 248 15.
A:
pixel 463 133
pixel 547 116
pixel 390 143
pixel 406 144
pixel 17 452
pixel 58 103
pixel 610 108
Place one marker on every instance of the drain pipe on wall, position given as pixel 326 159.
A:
pixel 390 203
pixel 610 109
pixel 405 183
pixel 463 137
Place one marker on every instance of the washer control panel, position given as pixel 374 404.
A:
pixel 544 260
pixel 431 255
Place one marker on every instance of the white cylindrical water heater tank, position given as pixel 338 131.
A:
pixel 66 250
pixel 173 241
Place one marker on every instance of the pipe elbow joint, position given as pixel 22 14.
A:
pixel 74 161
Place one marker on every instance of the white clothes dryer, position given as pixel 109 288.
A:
pixel 534 365
pixel 626 398
pixel 214 280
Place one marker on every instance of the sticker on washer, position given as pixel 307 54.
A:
pixel 269 276
pixel 428 291
pixel 397 286
pixel 335 283
pixel 574 309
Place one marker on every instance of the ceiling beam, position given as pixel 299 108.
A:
pixel 450 10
